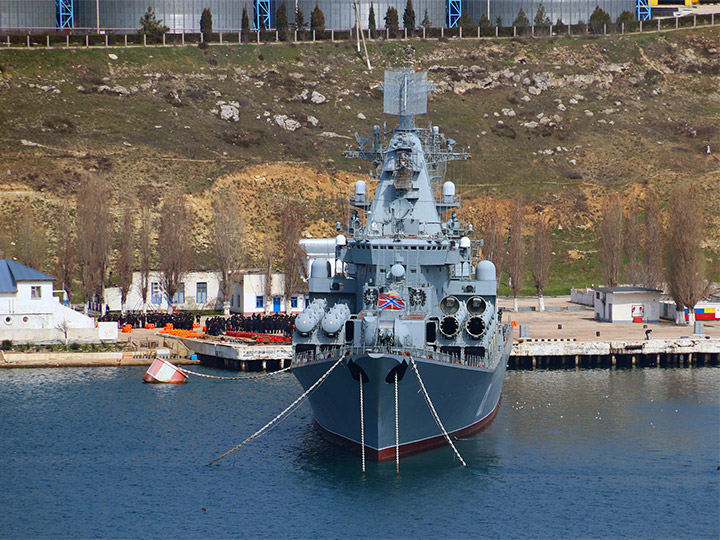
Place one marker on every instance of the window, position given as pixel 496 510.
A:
pixel 179 296
pixel 201 296
pixel 294 302
pixel 259 301
pixel 35 292
pixel 155 296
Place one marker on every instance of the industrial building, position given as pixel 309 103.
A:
pixel 184 15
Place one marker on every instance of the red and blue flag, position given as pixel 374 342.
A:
pixel 387 301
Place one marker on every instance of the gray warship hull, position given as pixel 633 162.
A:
pixel 465 397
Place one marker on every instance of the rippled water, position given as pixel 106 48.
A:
pixel 94 453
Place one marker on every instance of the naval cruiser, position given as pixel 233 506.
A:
pixel 401 344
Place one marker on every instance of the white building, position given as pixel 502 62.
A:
pixel 31 313
pixel 198 291
pixel 249 296
pixel 627 304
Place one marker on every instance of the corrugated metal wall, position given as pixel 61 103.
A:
pixel 184 15
pixel 28 14
pixel 178 15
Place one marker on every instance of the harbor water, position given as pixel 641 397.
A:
pixel 95 453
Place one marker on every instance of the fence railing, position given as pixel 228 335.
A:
pixel 113 37
pixel 334 351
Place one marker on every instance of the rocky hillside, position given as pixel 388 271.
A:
pixel 557 122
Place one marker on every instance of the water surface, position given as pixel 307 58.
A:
pixel 94 453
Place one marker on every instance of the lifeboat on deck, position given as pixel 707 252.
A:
pixel 162 371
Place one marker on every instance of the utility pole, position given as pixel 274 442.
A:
pixel 97 15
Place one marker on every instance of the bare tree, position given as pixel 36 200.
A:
pixel 542 257
pixel 268 262
pixel 145 248
pixel 65 248
pixel 174 242
pixel 611 241
pixel 292 254
pixel 493 241
pixel 227 242
pixel 632 243
pixel 126 252
pixel 93 236
pixel 653 244
pixel 64 327
pixel 516 255
pixel 32 240
pixel 685 262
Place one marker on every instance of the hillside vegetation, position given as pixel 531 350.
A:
pixel 558 122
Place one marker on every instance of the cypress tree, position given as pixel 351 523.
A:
pixel 317 19
pixel 371 22
pixel 281 21
pixel 245 23
pixel 467 24
pixel 206 25
pixel 485 25
pixel 409 17
pixel 521 20
pixel 426 21
pixel 541 18
pixel 392 21
pixel 300 22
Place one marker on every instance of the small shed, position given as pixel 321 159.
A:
pixel 627 304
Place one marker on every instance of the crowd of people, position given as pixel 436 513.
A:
pixel 276 323
pixel 182 321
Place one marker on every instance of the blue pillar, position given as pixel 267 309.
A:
pixel 262 14
pixel 64 17
pixel 642 10
pixel 454 12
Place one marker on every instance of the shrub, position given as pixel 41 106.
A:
pixel 626 17
pixel 6 345
pixel 151 26
pixel 598 19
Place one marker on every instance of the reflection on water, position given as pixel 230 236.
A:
pixel 94 452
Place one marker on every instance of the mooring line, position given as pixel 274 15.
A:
pixel 279 416
pixel 362 423
pixel 269 374
pixel 397 428
pixel 434 413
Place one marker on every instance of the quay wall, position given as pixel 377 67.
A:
pixel 83 359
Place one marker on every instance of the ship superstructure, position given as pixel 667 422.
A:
pixel 404 291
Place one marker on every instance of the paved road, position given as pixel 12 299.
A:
pixel 582 326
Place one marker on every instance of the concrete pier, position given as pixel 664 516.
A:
pixel 84 359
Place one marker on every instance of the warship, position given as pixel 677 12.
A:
pixel 401 346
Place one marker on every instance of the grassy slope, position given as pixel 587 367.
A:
pixel 663 94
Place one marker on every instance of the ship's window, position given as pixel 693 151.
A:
pixel 349 331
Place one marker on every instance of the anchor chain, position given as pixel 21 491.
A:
pixel 434 413
pixel 279 416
